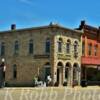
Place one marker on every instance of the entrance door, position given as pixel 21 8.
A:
pixel 66 73
pixel 47 72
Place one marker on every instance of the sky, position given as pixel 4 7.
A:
pixel 30 13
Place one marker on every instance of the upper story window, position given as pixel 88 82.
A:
pixel 95 50
pixel 89 49
pixel 68 46
pixel 31 47
pixel 16 48
pixel 47 46
pixel 2 49
pixel 75 47
pixel 14 71
pixel 60 45
pixel 83 48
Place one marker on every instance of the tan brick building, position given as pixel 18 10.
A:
pixel 41 51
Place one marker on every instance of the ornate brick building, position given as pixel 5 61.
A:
pixel 41 51
pixel 90 53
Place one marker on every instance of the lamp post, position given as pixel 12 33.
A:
pixel 2 72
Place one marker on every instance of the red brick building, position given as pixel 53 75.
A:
pixel 90 53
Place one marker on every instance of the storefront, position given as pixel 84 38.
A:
pixel 91 73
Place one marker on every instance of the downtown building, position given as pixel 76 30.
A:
pixel 90 62
pixel 41 51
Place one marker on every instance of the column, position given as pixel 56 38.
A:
pixel 53 60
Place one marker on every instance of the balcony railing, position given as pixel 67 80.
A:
pixel 90 60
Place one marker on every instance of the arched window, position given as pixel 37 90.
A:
pixel 31 47
pixel 14 71
pixel 47 46
pixel 83 48
pixel 89 49
pixel 16 48
pixel 68 46
pixel 2 49
pixel 95 50
pixel 75 47
pixel 60 45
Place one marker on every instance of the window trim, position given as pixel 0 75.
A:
pixel 60 43
pixel 31 42
pixel 68 50
pixel 16 50
pixel 96 49
pixel 47 51
pixel 89 45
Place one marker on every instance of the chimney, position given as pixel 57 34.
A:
pixel 83 22
pixel 13 26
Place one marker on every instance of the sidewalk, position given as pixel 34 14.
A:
pixel 55 88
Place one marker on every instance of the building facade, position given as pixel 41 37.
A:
pixel 41 51
pixel 90 53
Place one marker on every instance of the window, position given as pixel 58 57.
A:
pixel 89 49
pixel 75 47
pixel 16 48
pixel 83 48
pixel 60 45
pixel 68 46
pixel 95 50
pixel 47 48
pixel 2 49
pixel 31 47
pixel 14 71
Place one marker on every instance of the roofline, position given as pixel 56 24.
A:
pixel 42 27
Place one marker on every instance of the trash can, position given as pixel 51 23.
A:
pixel 83 83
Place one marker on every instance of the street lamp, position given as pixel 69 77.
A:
pixel 2 71
pixel 3 60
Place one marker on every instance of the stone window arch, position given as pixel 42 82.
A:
pixel 60 42
pixel 76 49
pixel 68 46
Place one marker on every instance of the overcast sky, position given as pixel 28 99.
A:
pixel 29 13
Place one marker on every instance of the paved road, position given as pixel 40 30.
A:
pixel 92 93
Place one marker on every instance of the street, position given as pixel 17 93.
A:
pixel 50 93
